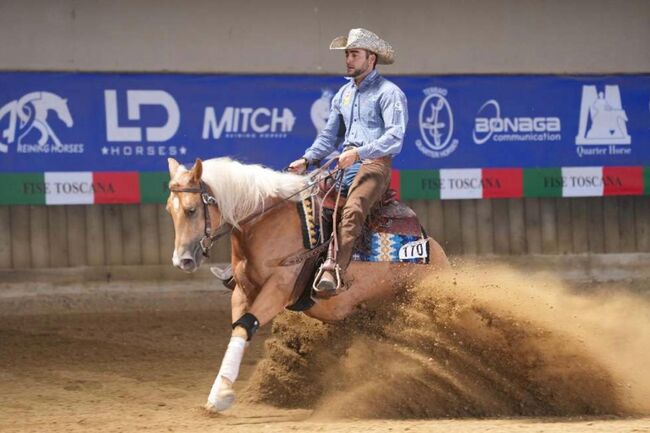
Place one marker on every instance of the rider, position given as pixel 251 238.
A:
pixel 368 115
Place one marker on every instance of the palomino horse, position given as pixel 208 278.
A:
pixel 221 192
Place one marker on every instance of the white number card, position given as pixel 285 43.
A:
pixel 414 250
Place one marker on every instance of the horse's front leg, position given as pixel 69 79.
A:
pixel 269 303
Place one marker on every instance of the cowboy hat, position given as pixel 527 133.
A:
pixel 366 40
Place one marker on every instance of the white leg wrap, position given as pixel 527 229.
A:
pixel 229 370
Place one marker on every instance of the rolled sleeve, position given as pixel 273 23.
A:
pixel 395 115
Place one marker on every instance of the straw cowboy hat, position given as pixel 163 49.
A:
pixel 366 40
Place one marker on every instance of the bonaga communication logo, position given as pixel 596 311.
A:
pixel 436 124
pixel 489 124
pixel 28 124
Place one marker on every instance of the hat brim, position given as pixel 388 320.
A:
pixel 341 43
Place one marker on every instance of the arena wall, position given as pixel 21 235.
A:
pixel 431 37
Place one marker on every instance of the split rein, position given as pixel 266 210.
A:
pixel 208 200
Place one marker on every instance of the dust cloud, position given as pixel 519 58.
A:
pixel 476 341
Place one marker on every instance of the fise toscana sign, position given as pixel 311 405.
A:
pixel 80 138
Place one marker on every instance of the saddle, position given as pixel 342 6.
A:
pixel 390 226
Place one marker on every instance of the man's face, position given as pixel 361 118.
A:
pixel 357 62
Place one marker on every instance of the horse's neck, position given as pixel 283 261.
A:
pixel 270 228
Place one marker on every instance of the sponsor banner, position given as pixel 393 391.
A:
pixel 445 184
pixel 461 183
pixel 502 182
pixel 622 180
pixel 69 188
pixel 22 188
pixel 512 183
pixel 154 187
pixel 95 122
pixel 66 188
pixel 543 182
pixel 582 181
pixel 420 184
pixel 116 187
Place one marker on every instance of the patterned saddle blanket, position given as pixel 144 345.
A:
pixel 392 232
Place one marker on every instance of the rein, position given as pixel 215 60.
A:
pixel 208 199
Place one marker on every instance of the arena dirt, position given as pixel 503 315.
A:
pixel 476 350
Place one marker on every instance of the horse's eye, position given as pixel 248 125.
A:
pixel 191 211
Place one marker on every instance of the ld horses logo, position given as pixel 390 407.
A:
pixel 436 125
pixel 27 124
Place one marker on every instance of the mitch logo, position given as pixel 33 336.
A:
pixel 247 122
pixel 135 99
pixel 28 123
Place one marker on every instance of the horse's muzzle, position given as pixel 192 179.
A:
pixel 185 262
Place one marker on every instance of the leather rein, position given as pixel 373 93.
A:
pixel 208 199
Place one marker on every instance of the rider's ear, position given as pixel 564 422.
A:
pixel 197 170
pixel 173 167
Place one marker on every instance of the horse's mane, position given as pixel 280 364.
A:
pixel 241 189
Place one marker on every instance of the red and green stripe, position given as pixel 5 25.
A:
pixel 152 187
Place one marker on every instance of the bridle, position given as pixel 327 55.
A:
pixel 208 199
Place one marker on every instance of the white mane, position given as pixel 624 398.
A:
pixel 241 189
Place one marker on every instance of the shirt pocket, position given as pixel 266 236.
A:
pixel 371 112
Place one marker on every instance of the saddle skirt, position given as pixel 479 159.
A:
pixel 388 233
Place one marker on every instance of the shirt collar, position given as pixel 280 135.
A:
pixel 370 78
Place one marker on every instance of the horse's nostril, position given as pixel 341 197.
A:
pixel 187 263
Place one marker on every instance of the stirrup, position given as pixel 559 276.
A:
pixel 335 269
pixel 225 275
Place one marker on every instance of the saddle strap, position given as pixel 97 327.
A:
pixel 294 259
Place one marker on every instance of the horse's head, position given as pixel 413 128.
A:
pixel 60 107
pixel 187 210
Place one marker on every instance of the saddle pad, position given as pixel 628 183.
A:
pixel 381 239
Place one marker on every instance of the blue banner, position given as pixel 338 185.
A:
pixel 133 122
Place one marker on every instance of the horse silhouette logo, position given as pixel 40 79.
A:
pixel 436 124
pixel 602 117
pixel 28 119
pixel 320 110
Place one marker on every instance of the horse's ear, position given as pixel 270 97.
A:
pixel 173 167
pixel 197 170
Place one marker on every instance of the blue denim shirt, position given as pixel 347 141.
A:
pixel 374 115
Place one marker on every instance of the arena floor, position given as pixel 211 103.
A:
pixel 142 357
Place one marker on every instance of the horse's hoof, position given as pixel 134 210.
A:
pixel 224 401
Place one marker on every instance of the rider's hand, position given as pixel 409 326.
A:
pixel 348 158
pixel 298 166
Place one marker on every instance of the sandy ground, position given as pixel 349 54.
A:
pixel 126 358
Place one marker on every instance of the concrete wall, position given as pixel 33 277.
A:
pixel 289 36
